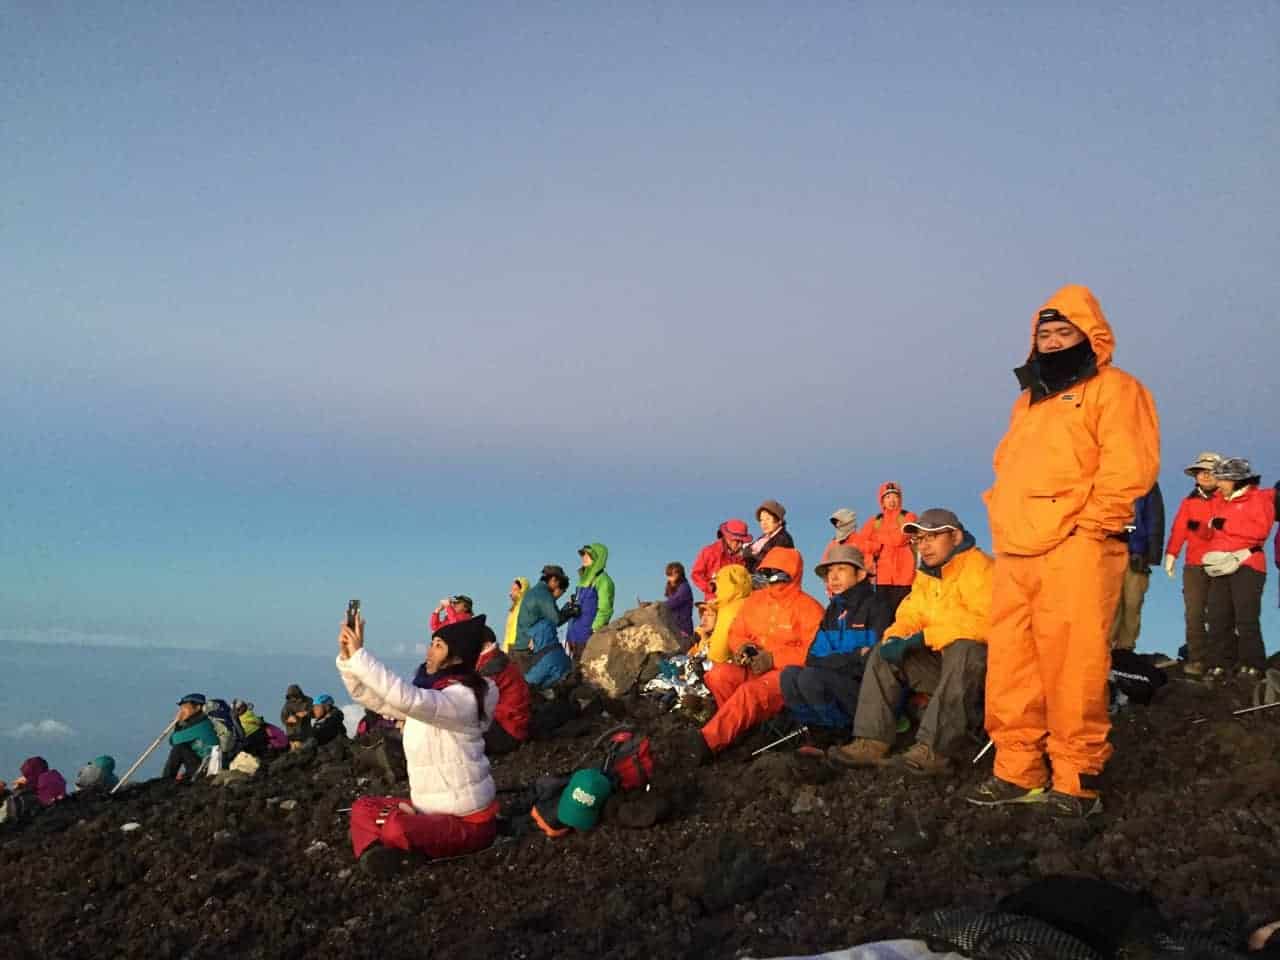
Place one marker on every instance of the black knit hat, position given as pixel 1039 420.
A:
pixel 464 638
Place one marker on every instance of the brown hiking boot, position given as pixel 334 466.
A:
pixel 922 759
pixel 860 753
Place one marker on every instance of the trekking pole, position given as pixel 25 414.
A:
pixel 1238 713
pixel 984 751
pixel 149 751
pixel 789 736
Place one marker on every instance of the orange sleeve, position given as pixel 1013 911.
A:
pixel 1128 433
pixel 739 633
pixel 806 617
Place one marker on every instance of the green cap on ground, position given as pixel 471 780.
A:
pixel 583 799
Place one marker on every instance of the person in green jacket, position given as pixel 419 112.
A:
pixel 192 740
pixel 592 603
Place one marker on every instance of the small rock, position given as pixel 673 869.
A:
pixel 749 917
pixel 130 827
pixel 316 848
pixel 344 873
pixel 222 836
pixel 288 805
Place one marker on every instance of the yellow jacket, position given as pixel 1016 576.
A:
pixel 953 603
pixel 1076 459
pixel 509 633
pixel 733 586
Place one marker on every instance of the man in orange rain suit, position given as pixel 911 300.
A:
pixel 1083 444
pixel 773 630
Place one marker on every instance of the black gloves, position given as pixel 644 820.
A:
pixel 1218 523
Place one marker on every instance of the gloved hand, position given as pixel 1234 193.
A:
pixel 762 662
pixel 1138 563
pixel 1170 561
pixel 1218 523
pixel 894 649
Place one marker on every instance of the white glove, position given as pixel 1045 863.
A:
pixel 1169 562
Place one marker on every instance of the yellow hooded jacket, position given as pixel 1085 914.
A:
pixel 733 586
pixel 509 633
pixel 1077 459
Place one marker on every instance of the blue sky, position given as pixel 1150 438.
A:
pixel 404 300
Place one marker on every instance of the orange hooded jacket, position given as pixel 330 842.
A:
pixel 780 618
pixel 1075 460
pixel 886 547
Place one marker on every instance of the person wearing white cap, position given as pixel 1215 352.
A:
pixel 1191 527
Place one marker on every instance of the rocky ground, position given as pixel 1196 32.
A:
pixel 779 855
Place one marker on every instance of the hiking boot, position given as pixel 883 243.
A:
pixel 924 761
pixel 860 753
pixel 1193 669
pixel 1252 674
pixel 1065 806
pixel 1217 674
pixel 994 792
pixel 381 862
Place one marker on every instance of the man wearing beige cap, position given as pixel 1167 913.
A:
pixel 825 690
pixel 1191 527
pixel 935 645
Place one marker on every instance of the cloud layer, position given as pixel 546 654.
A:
pixel 48 729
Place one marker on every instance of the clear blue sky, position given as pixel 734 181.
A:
pixel 398 300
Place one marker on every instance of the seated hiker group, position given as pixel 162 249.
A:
pixel 920 622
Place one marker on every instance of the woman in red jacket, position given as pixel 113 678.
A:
pixel 887 547
pixel 1191 526
pixel 1240 522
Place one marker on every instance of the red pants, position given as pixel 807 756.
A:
pixel 743 700
pixel 438 835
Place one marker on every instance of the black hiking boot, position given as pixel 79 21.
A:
pixel 1065 806
pixel 994 792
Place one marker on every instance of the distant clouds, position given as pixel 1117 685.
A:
pixel 60 636
pixel 42 730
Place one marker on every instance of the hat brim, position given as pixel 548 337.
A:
pixel 915 526
pixel 821 569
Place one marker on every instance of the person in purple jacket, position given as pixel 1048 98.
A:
pixel 679 600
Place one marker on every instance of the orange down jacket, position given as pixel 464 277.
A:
pixel 1078 459
pixel 780 618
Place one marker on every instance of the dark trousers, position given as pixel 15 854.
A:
pixel 1235 611
pixel 255 744
pixel 497 741
pixel 893 596
pixel 182 757
pixel 1195 602
pixel 954 678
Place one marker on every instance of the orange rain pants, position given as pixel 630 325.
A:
pixel 1048 660
pixel 743 699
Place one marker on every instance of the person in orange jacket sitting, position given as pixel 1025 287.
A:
pixel 1083 444
pixel 771 631
pixel 885 544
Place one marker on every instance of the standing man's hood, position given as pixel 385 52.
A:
pixel 599 558
pixel 1081 308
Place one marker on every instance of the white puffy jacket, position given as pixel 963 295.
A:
pixel 443 736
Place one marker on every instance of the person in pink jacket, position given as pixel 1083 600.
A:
pixel 451 610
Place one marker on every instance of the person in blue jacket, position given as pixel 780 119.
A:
pixel 551 662
pixel 1146 549
pixel 824 692
pixel 192 740
pixel 539 606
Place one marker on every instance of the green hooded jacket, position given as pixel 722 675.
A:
pixel 595 576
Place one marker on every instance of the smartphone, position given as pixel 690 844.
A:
pixel 353 613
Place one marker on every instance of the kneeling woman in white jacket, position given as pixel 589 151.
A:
pixel 452 810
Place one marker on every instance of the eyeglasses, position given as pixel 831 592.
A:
pixel 918 538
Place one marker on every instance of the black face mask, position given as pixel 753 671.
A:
pixel 1048 373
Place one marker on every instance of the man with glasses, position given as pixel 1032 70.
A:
pixel 771 631
pixel 936 645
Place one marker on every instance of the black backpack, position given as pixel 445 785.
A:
pixel 1135 677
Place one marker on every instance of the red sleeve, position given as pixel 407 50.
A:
pixel 1178 532
pixel 436 622
pixel 701 571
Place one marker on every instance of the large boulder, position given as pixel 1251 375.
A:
pixel 616 653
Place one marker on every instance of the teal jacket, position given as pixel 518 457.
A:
pixel 199 732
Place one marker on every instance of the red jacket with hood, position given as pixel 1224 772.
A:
pixel 1191 526
pixel 886 547
pixel 711 559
